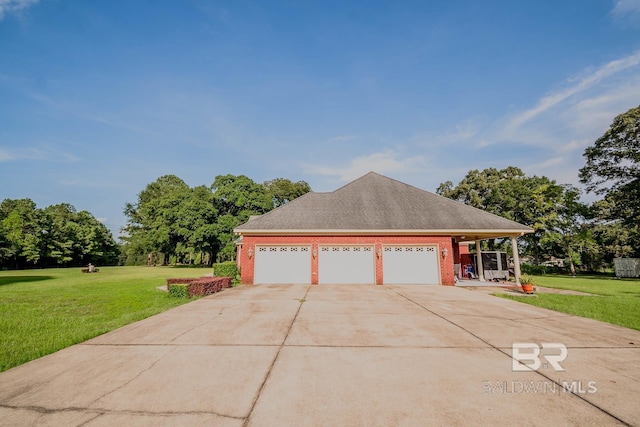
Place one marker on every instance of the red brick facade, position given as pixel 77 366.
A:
pixel 443 242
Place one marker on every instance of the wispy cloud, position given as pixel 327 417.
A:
pixel 550 137
pixel 578 85
pixel 386 162
pixel 33 153
pixel 6 155
pixel 344 138
pixel 8 6
pixel 626 11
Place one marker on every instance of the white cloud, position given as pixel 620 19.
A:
pixel 8 6
pixel 626 10
pixel 33 153
pixel 572 118
pixel 384 162
pixel 549 138
pixel 580 85
pixel 6 156
pixel 344 138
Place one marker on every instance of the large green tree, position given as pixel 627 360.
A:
pixel 20 233
pixel 237 198
pixel 154 220
pixel 197 216
pixel 510 193
pixel 613 166
pixel 567 234
pixel 282 190
pixel 197 223
pixel 55 236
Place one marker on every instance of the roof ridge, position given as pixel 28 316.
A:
pixel 351 182
pixel 372 173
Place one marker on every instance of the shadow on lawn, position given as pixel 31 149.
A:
pixel 10 280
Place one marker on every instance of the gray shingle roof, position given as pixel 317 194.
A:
pixel 378 203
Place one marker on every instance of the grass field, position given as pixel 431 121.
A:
pixel 615 301
pixel 43 311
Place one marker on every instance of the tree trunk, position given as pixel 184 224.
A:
pixel 571 266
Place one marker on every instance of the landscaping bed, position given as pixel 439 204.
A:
pixel 199 286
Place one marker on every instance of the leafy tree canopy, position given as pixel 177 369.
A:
pixel 282 190
pixel 613 166
pixel 53 236
pixel 535 201
pixel 171 218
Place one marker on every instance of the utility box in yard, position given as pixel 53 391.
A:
pixel 627 267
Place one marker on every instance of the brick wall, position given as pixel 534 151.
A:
pixel 442 242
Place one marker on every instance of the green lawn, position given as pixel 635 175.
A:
pixel 615 301
pixel 42 311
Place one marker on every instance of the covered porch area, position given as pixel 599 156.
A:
pixel 470 268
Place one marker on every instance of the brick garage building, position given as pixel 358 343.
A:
pixel 374 230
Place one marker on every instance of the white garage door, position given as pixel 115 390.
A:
pixel 410 265
pixel 346 264
pixel 282 264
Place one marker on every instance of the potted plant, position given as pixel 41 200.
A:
pixel 527 283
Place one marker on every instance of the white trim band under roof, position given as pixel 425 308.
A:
pixel 467 232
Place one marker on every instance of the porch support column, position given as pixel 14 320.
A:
pixel 479 261
pixel 516 259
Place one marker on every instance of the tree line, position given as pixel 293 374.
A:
pixel 587 236
pixel 56 236
pixel 173 223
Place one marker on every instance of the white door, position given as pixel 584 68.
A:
pixel 346 264
pixel 282 264
pixel 404 264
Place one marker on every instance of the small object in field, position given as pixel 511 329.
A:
pixel 91 269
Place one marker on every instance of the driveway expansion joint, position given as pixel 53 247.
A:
pixel 105 411
pixel 268 374
pixel 132 378
pixel 584 399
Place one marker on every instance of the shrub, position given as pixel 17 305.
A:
pixel 541 270
pixel 179 290
pixel 190 287
pixel 208 285
pixel 225 269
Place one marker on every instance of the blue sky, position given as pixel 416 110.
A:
pixel 100 98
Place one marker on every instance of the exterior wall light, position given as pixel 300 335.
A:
pixel 315 253
pixel 250 253
pixel 379 252
pixel 445 252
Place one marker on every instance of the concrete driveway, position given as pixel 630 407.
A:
pixel 334 355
